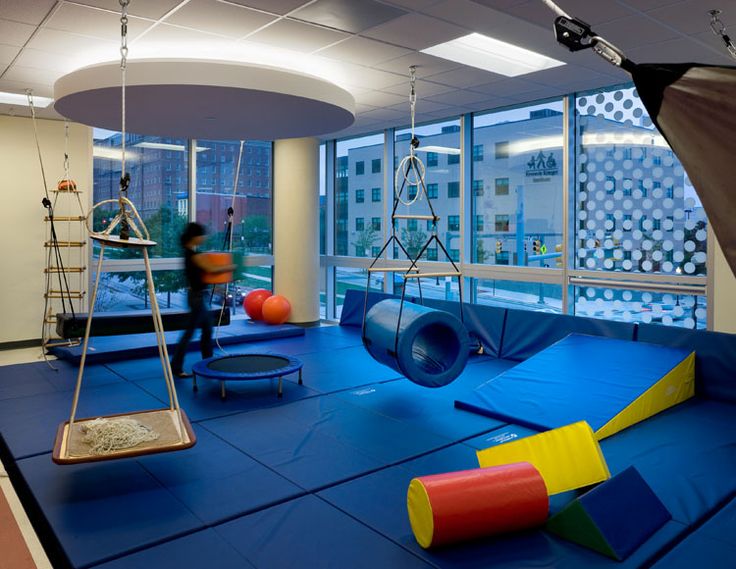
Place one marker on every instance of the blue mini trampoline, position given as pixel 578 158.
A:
pixel 240 367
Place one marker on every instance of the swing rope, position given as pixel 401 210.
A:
pixel 719 29
pixel 228 245
pixel 411 168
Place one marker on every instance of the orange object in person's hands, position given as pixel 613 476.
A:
pixel 220 260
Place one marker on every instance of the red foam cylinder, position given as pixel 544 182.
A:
pixel 460 506
pixel 219 260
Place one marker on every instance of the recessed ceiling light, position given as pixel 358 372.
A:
pixel 22 99
pixel 483 52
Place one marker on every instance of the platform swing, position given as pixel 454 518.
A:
pixel 429 347
pixel 693 106
pixel 141 432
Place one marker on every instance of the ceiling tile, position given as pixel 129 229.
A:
pixel 31 75
pixel 348 15
pixel 499 4
pixel 593 13
pixel 25 11
pixel 279 7
pixel 384 115
pixel 39 89
pixel 644 5
pixel 464 77
pixel 363 51
pixel 717 53
pixel 414 4
pixel 423 88
pixel 416 31
pixel 47 60
pixel 73 45
pixel 689 17
pixel 170 40
pixel 507 88
pixel 380 99
pixel 91 22
pixel 567 74
pixel 458 97
pixel 426 64
pixel 358 76
pixel 634 31
pixel 678 51
pixel 219 18
pixel 423 106
pixel 153 9
pixel 469 15
pixel 298 36
pixel 13 33
pixel 7 54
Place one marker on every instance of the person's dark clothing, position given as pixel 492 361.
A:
pixel 199 316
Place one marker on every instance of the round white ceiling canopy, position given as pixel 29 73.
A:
pixel 205 99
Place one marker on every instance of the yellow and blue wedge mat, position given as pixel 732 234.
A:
pixel 612 384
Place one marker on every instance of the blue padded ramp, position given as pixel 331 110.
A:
pixel 115 348
pixel 687 455
pixel 715 356
pixel 484 323
pixel 432 411
pixel 379 501
pixel 699 550
pixel 216 481
pixel 308 532
pixel 723 525
pixel 579 378
pixel 241 395
pixel 353 305
pixel 200 550
pixel 28 424
pixel 102 510
pixel 527 332
pixel 23 380
pixel 323 440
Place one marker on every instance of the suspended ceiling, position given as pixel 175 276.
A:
pixel 365 46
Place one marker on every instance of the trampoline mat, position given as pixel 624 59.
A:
pixel 256 363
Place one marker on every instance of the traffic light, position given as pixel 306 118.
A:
pixel 558 260
pixel 499 246
pixel 536 247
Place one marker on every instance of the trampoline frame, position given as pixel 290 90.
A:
pixel 203 370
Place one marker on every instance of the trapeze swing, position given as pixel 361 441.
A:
pixel 140 432
pixel 428 347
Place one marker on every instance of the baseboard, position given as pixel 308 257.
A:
pixel 20 344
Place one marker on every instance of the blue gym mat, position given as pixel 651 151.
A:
pixel 323 440
pixel 723 525
pixel 28 424
pixel 23 380
pixel 241 395
pixel 427 409
pixel 699 550
pixel 579 378
pixel 200 550
pixel 104 349
pixel 527 332
pixel 379 501
pixel 216 481
pixel 687 455
pixel 309 533
pixel 99 511
pixel 715 356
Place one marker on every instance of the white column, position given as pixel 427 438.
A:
pixel 296 226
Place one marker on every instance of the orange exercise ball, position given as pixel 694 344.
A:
pixel 253 303
pixel 276 309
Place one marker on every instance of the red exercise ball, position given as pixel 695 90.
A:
pixel 253 303
pixel 276 309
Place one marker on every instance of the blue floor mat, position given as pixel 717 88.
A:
pixel 23 380
pixel 429 409
pixel 104 349
pixel 102 510
pixel 28 424
pixel 323 440
pixel 722 526
pixel 309 533
pixel 687 454
pixel 201 550
pixel 379 501
pixel 241 395
pixel 699 550
pixel 216 481
pixel 579 378
pixel 314 340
